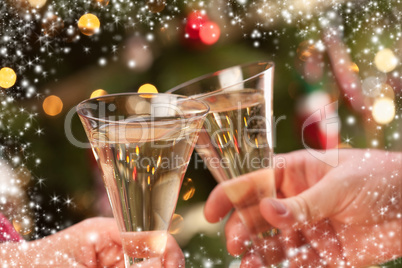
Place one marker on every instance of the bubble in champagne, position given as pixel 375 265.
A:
pixel 89 24
pixel 176 224
pixel 189 189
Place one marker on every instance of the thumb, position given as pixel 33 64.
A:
pixel 318 202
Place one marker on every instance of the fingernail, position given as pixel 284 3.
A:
pixel 278 206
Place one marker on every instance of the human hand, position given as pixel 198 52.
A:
pixel 345 216
pixel 91 243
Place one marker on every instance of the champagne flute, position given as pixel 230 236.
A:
pixel 142 143
pixel 237 139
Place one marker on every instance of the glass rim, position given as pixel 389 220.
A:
pixel 197 115
pixel 212 74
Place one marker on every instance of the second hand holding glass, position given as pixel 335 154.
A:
pixel 237 140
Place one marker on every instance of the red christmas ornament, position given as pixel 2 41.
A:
pixel 209 33
pixel 200 31
pixel 318 120
pixel 195 20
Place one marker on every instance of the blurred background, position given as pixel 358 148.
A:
pixel 55 54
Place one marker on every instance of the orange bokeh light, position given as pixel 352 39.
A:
pixel 89 24
pixel 98 93
pixel 52 105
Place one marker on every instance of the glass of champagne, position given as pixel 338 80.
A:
pixel 237 140
pixel 142 143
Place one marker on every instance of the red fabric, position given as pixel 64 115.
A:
pixel 7 232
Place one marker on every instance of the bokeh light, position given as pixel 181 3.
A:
pixel 209 33
pixel 351 120
pixel 23 225
pixel 383 110
pixel 98 93
pixel 195 21
pixel 385 60
pixel 372 85
pixel 7 77
pixel 102 2
pixel 37 3
pixel 52 25
pixel 188 188
pixel 387 91
pixel 138 55
pixel 305 50
pixel 52 105
pixel 89 24
pixel 147 88
pixel 156 6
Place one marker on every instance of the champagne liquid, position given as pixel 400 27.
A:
pixel 143 169
pixel 235 139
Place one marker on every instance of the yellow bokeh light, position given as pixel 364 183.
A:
pixel 37 3
pixel 52 105
pixel 383 110
pixel 147 88
pixel 354 68
pixel 89 24
pixel 7 77
pixel 385 60
pixel 98 93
